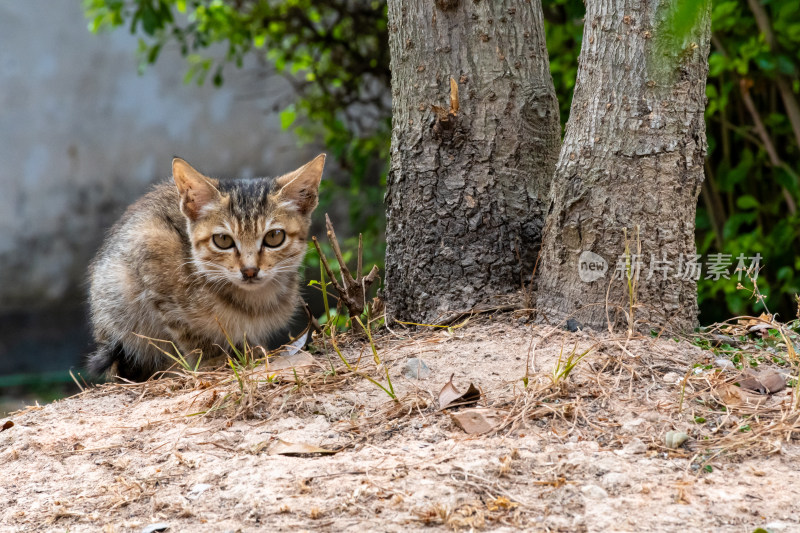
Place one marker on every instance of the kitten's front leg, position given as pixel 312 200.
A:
pixel 190 348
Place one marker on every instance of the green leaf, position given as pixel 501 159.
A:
pixel 288 117
pixel 747 202
pixel 739 172
pixel 786 65
pixel 150 20
pixel 153 53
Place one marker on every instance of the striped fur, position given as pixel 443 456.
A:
pixel 159 277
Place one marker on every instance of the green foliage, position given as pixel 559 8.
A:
pixel 563 27
pixel 335 53
pixel 745 202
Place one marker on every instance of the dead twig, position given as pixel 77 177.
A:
pixel 352 291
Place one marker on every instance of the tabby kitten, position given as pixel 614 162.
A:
pixel 185 263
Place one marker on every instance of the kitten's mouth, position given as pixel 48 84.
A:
pixel 251 283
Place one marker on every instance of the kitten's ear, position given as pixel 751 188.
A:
pixel 198 193
pixel 301 186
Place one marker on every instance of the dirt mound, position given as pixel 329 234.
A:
pixel 574 448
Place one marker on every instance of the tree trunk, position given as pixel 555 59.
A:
pixel 467 184
pixel 632 159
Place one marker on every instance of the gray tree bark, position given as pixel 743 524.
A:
pixel 467 185
pixel 632 158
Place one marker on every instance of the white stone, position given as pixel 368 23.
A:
pixel 197 490
pixel 594 492
pixel 615 480
pixel 634 447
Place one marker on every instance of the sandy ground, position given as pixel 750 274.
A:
pixel 586 454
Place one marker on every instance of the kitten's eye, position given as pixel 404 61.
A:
pixel 274 238
pixel 222 241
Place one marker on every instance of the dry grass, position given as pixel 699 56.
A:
pixel 608 368
pixel 622 394
pixel 729 422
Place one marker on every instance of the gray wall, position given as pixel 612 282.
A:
pixel 81 136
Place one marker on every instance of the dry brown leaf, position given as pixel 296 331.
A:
pixel 734 396
pixel 7 425
pixel 773 381
pixel 479 420
pixel 449 396
pixel 282 447
pixel 766 382
pixel 470 397
pixel 752 321
pixel 762 330
pixel 285 366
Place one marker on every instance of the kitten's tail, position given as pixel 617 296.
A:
pixel 101 362
pixel 111 361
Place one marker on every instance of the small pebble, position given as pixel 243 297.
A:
pixel 633 426
pixel 615 480
pixel 775 527
pixel 725 364
pixel 674 439
pixel 727 339
pixel 197 490
pixel 594 491
pixel 415 368
pixel 155 528
pixel 635 447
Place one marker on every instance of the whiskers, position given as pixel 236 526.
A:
pixel 207 275
pixel 288 264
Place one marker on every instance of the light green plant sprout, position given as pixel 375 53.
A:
pixel 564 366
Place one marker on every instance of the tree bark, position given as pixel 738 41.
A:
pixel 632 158
pixel 466 187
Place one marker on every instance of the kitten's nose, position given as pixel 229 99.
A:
pixel 249 273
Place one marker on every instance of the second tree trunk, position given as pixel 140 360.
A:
pixel 631 165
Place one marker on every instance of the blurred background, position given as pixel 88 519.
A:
pixel 83 133
pixel 97 96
